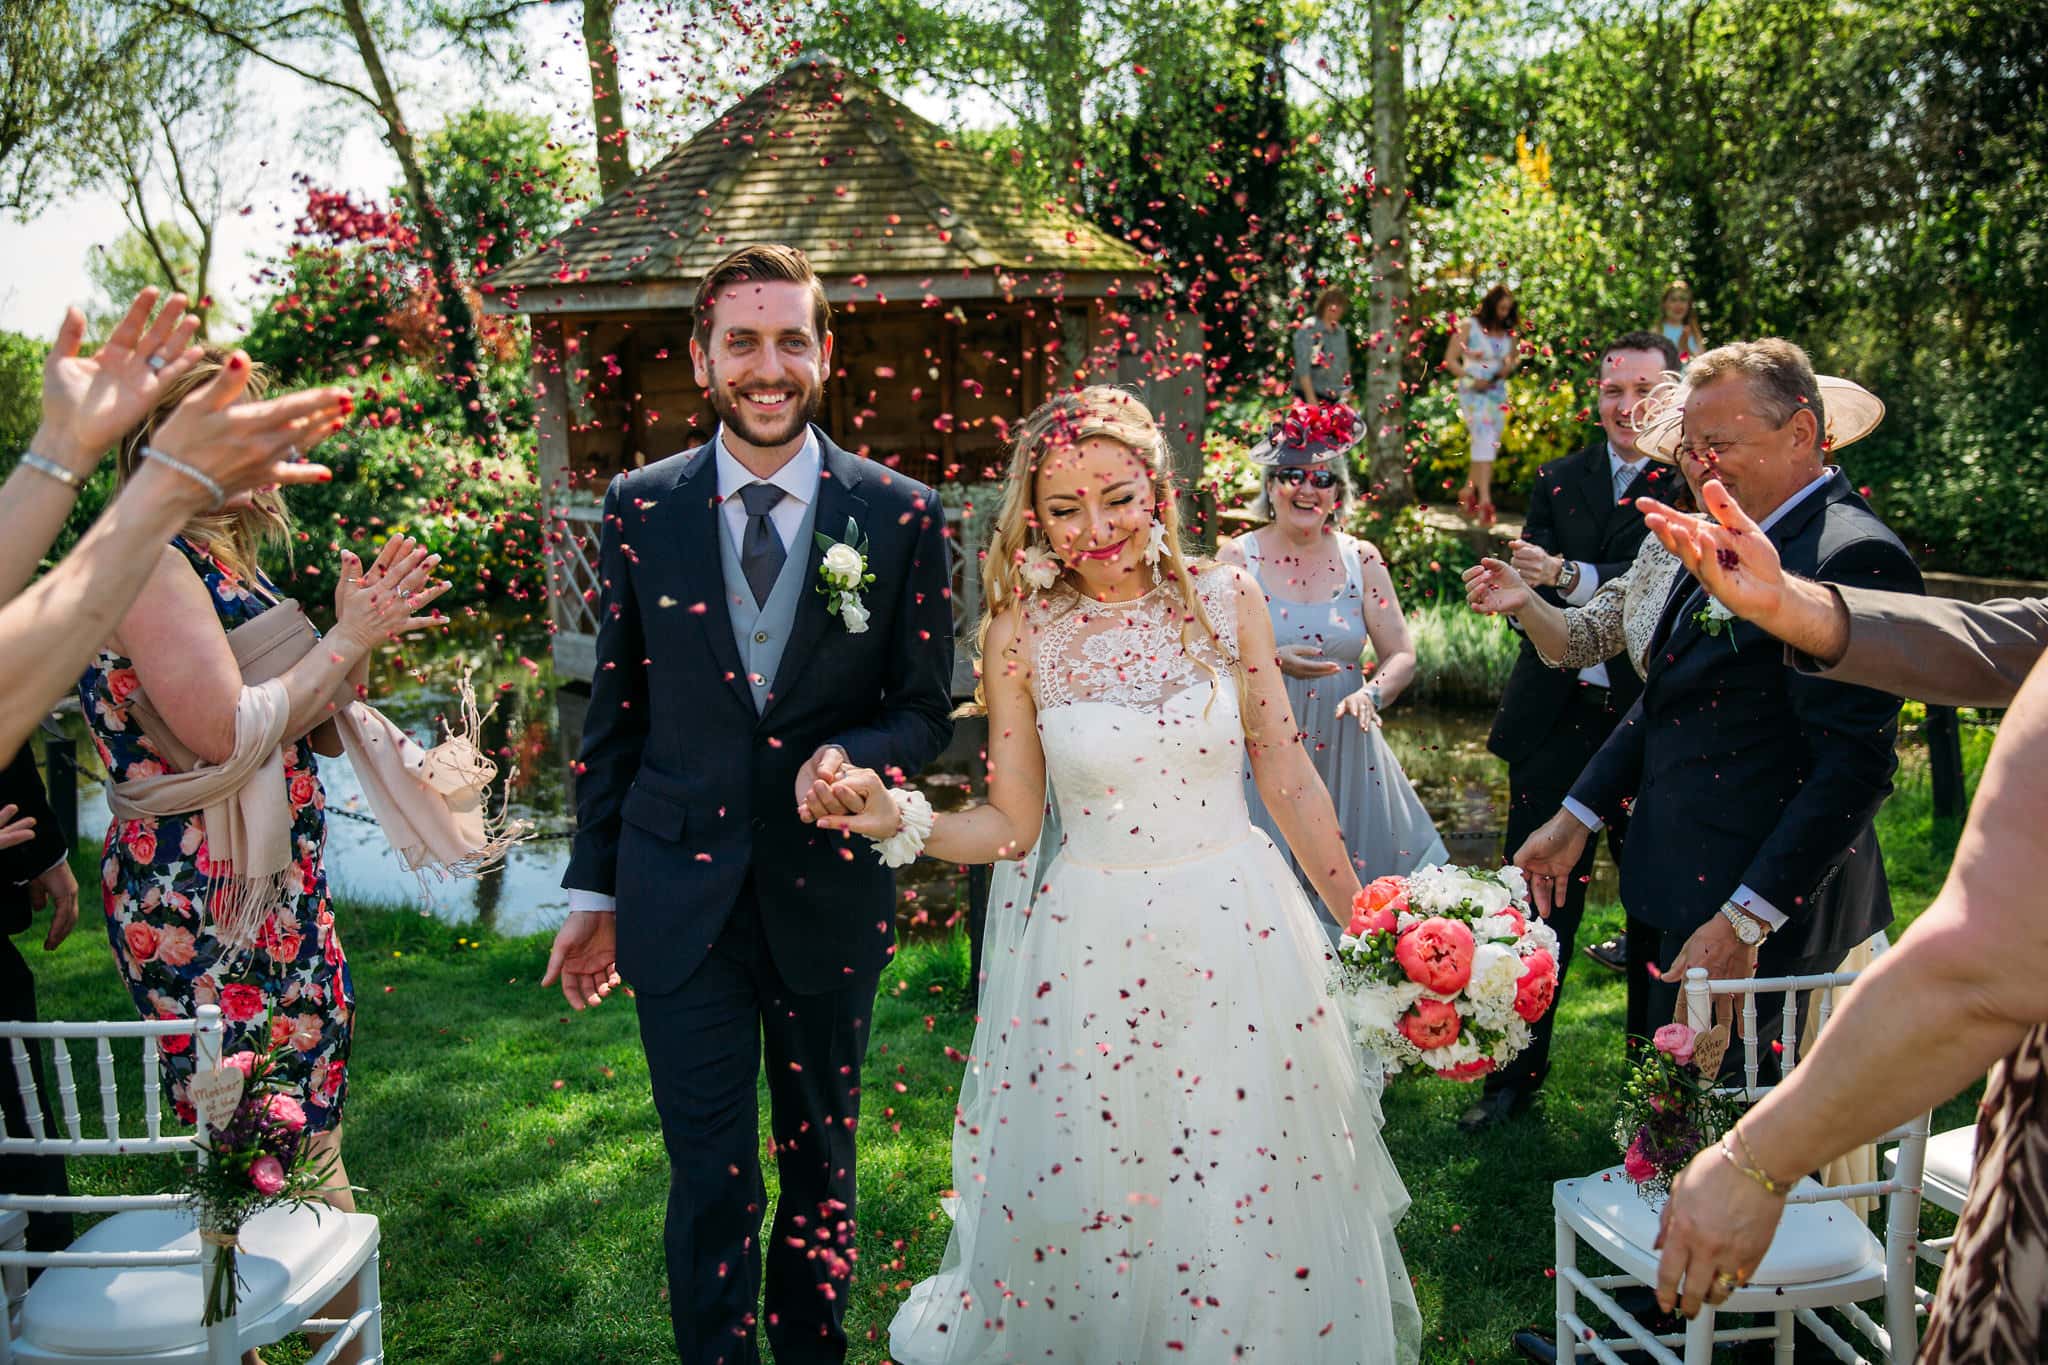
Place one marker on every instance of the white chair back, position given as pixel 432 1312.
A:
pixel 1899 1335
pixel 73 1137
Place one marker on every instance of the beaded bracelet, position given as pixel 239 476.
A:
pixel 200 477
pixel 1754 1172
pixel 69 478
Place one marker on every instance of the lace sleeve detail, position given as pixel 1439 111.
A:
pixel 1594 632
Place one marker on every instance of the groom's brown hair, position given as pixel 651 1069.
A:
pixel 758 262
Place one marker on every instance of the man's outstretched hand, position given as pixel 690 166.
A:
pixel 1730 555
pixel 585 957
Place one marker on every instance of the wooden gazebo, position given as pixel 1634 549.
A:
pixel 960 301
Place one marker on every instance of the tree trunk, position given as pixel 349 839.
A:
pixel 460 323
pixel 607 105
pixel 1387 307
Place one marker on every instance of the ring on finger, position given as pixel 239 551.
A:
pixel 1725 1282
pixel 156 362
pixel 296 456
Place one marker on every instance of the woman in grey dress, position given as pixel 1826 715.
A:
pixel 1330 595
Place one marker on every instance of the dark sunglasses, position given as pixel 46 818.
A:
pixel 1315 478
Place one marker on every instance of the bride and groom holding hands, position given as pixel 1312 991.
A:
pixel 1164 1141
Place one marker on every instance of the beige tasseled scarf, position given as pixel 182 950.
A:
pixel 429 802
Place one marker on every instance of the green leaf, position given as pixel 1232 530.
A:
pixel 825 542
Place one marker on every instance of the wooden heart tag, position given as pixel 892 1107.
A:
pixel 215 1096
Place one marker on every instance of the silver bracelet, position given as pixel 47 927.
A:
pixel 68 478
pixel 204 480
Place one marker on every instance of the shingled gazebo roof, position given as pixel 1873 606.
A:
pixel 818 158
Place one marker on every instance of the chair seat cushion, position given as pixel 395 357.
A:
pixel 122 1310
pixel 1945 1175
pixel 1814 1242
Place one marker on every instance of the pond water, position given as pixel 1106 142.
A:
pixel 537 721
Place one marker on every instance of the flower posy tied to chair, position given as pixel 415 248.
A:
pixel 252 1132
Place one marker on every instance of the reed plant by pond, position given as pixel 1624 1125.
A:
pixel 511 1149
pixel 1462 658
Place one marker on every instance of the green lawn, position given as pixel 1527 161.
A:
pixel 511 1149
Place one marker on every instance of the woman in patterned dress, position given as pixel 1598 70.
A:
pixel 292 985
pixel 1482 356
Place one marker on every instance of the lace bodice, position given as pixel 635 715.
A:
pixel 1139 722
pixel 1140 653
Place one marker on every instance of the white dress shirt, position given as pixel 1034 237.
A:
pixel 1747 899
pixel 798 480
pixel 1595 675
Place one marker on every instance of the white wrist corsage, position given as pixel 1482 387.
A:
pixel 914 814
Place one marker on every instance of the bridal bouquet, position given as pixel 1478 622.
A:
pixel 1669 1110
pixel 1445 969
pixel 253 1133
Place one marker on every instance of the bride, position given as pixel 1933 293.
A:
pixel 1166 1146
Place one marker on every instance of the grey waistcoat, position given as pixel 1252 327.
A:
pixel 762 633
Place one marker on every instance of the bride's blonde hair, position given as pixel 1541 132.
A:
pixel 1063 423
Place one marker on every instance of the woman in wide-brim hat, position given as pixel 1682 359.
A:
pixel 1623 614
pixel 1330 597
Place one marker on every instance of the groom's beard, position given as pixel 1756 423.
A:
pixel 775 431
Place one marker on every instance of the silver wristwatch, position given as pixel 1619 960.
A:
pixel 1748 928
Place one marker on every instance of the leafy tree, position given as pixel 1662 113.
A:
pixel 341 49
pixel 499 180
pixel 132 262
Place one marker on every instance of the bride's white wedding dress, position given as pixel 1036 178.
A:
pixel 1167 1148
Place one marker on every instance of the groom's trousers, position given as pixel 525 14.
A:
pixel 704 1044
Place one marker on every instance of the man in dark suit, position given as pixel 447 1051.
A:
pixel 1754 786
pixel 33 873
pixel 727 685
pixel 1582 530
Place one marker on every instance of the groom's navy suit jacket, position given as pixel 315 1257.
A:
pixel 1746 772
pixel 686 789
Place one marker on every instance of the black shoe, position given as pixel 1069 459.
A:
pixel 1531 1344
pixel 1613 954
pixel 1495 1107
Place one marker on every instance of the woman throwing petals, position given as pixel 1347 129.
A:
pixel 1330 597
pixel 1166 1146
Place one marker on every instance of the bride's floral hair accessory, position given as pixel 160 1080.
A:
pixel 1038 567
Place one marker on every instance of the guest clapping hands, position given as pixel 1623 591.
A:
pixel 214 447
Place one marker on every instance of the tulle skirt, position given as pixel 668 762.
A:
pixel 1167 1148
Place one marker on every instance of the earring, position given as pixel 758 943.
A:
pixel 1155 546
pixel 1039 567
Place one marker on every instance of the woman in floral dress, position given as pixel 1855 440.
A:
pixel 290 987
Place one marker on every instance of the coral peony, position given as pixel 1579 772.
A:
pixel 1437 954
pixel 244 1062
pixel 266 1173
pixel 1377 907
pixel 1431 1024
pixel 1538 986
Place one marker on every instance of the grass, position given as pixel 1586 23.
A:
pixel 511 1149
pixel 1468 656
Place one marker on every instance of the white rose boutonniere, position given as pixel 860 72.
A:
pixel 1714 618
pixel 842 573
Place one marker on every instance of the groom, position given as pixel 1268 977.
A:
pixel 727 683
